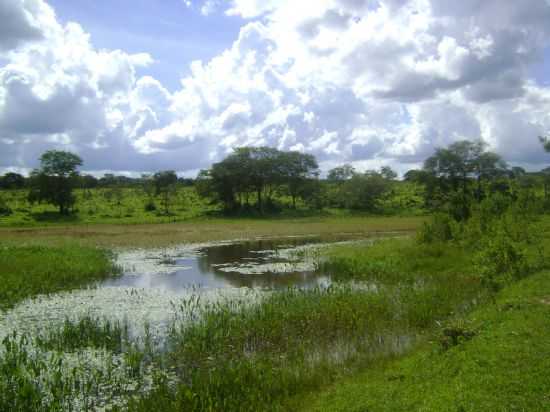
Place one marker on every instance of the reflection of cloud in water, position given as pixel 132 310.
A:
pixel 261 263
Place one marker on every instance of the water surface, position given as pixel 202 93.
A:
pixel 259 264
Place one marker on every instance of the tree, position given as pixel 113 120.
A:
pixel 545 141
pixel 341 173
pixel 165 187
pixel 364 190
pixel 55 180
pixel 296 170
pixel 257 173
pixel 453 168
pixel 388 173
pixel 12 181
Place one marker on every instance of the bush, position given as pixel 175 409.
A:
pixel 501 260
pixel 440 229
pixel 5 210
pixel 150 206
pixel 455 333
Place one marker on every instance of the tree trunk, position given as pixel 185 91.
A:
pixel 260 208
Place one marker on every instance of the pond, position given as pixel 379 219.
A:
pixel 258 264
pixel 154 281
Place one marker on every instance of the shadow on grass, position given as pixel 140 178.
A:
pixel 53 217
pixel 267 215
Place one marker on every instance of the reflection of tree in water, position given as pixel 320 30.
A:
pixel 248 253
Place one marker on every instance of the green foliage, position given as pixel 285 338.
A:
pixel 500 260
pixel 440 229
pixel 455 333
pixel 361 191
pixel 341 173
pixel 11 181
pixel 114 204
pixel 5 210
pixel 55 180
pixel 256 173
pixel 457 175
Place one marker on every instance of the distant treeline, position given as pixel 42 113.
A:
pixel 17 181
pixel 266 180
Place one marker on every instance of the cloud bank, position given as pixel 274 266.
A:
pixel 363 81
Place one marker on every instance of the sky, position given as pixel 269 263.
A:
pixel 136 86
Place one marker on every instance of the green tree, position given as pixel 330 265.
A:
pixel 12 181
pixel 388 173
pixel 165 187
pixel 341 173
pixel 257 173
pixel 364 190
pixel 545 140
pixel 453 168
pixel 296 170
pixel 55 180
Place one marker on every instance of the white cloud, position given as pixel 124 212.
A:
pixel 365 81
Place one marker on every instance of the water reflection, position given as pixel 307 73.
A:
pixel 271 264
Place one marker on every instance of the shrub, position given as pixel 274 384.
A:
pixel 5 210
pixel 440 229
pixel 455 333
pixel 501 260
pixel 150 206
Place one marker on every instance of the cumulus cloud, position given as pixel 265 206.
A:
pixel 366 81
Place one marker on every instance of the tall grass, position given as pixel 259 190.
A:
pixel 27 271
pixel 242 355
pixel 77 367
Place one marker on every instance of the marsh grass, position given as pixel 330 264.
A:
pixel 87 364
pixel 87 332
pixel 26 271
pixel 238 355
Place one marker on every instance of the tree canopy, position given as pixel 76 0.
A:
pixel 55 180
pixel 257 173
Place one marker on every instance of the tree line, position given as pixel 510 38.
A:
pixel 255 179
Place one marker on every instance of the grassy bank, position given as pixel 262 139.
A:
pixel 503 366
pixel 27 271
pixel 202 230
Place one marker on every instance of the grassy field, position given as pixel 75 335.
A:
pixel 201 230
pixel 26 271
pixel 115 205
pixel 132 206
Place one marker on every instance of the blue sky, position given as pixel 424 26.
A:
pixel 173 34
pixel 367 82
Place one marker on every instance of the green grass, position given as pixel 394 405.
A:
pixel 505 366
pixel 128 206
pixel 245 356
pixel 26 271
pixel 106 206
pixel 87 332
